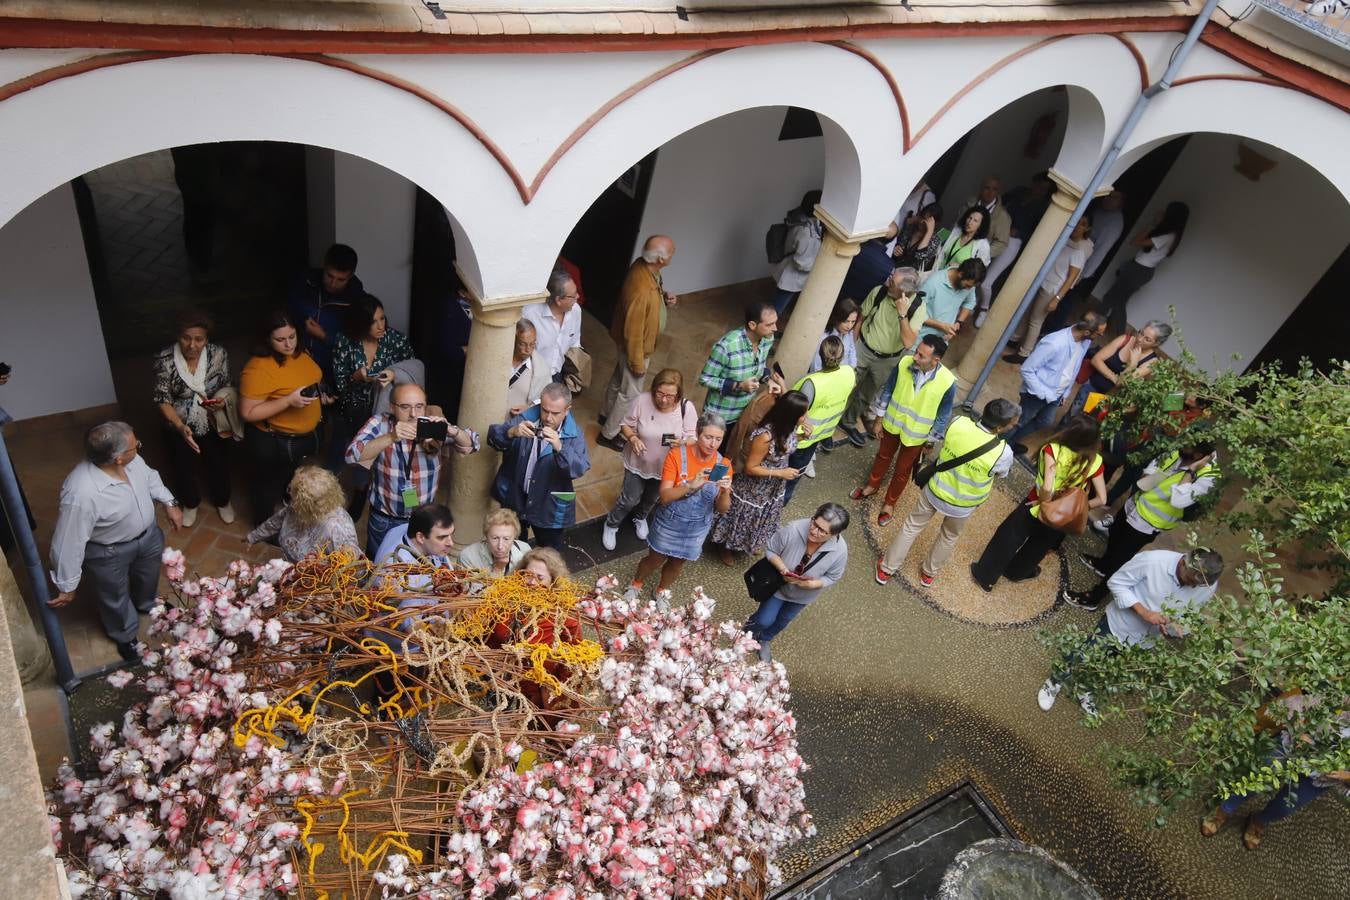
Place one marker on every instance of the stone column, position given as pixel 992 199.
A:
pixel 1034 252
pixel 483 403
pixel 31 657
pixel 812 311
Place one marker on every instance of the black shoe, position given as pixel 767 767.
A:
pixel 1080 599
pixel 1093 562
pixel 127 650
pixel 1034 574
pixel 1015 358
pixel 987 588
pixel 1019 449
pixel 602 418
pixel 827 445
pixel 855 437
pixel 616 443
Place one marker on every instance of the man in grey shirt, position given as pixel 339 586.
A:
pixel 106 529
pixel 1143 592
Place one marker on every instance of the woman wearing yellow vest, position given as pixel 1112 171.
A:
pixel 827 391
pixel 1071 458
pixel 1183 477
pixel 918 401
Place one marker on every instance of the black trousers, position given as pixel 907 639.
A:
pixel 275 457
pixel 213 462
pixel 1123 541
pixel 1017 547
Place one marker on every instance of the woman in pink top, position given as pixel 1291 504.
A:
pixel 657 421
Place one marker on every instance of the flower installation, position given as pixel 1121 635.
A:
pixel 325 730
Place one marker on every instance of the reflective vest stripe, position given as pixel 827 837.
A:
pixel 1155 506
pixel 827 407
pixel 970 483
pixel 912 415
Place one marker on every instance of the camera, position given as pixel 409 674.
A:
pixel 311 391
pixel 432 429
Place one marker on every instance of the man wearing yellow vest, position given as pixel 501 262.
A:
pixel 1178 480
pixel 972 456
pixel 828 390
pixel 911 411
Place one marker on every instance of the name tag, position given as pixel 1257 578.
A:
pixel 410 499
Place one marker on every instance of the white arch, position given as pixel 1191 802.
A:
pixel 57 132
pixel 1302 126
pixel 861 125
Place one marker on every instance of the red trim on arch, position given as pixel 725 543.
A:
pixel 983 77
pixel 1138 59
pixel 890 82
pixel 1293 74
pixel 1230 76
pixel 78 67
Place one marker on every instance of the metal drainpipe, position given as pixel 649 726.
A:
pixel 51 626
pixel 1099 176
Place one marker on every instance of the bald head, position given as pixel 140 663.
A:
pixel 407 402
pixel 658 251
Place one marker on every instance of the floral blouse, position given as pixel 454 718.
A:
pixel 170 387
pixel 355 397
pixel 298 540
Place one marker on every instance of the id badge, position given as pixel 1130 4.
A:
pixel 410 498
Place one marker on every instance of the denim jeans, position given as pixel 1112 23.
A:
pixel 799 460
pixel 1036 415
pixel 377 526
pixel 772 617
pixel 1287 800
pixel 1060 673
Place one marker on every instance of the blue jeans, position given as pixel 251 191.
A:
pixel 1036 415
pixel 1287 800
pixel 772 617
pixel 783 299
pixel 377 526
pixel 1060 673
pixel 798 459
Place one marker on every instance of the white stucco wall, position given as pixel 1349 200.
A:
pixel 1251 253
pixel 51 335
pixel 373 213
pixel 717 205
pixel 996 148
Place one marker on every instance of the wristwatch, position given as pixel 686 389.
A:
pixel 170 504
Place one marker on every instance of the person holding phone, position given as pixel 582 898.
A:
pixel 403 452
pixel 739 361
pixel 656 422
pixel 279 400
pixel 190 375
pixel 362 356
pixel 695 482
pixel 811 555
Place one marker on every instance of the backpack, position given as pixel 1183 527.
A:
pixel 776 242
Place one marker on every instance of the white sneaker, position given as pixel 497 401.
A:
pixel 810 470
pixel 1089 705
pixel 632 594
pixel 979 320
pixel 189 516
pixel 1103 524
pixel 226 513
pixel 640 529
pixel 1045 697
pixel 608 536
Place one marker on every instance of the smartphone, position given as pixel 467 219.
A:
pixel 311 391
pixel 778 370
pixel 668 440
pixel 431 429
pixel 718 472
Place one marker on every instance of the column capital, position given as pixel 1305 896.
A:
pixel 843 234
pixel 1070 192
pixel 497 311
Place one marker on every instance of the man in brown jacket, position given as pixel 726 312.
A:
pixel 638 321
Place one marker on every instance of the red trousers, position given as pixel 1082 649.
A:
pixel 904 457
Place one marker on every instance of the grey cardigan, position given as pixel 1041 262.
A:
pixel 789 544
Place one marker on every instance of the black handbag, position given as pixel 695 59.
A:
pixel 763 579
pixel 925 475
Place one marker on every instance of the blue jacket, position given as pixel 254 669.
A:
pixel 553 472
pixel 1056 353
pixel 307 300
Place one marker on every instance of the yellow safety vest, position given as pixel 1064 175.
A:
pixel 968 484
pixel 910 415
pixel 1155 506
pixel 1066 461
pixel 827 407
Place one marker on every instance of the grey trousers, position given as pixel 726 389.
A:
pixel 622 390
pixel 873 370
pixel 638 492
pixel 125 578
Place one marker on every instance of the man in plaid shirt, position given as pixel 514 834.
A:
pixel 739 362
pixel 403 473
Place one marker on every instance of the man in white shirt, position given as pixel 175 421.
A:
pixel 1058 282
pixel 1144 592
pixel 557 321
pixel 106 529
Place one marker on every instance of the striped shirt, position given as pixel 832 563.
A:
pixel 733 359
pixel 401 465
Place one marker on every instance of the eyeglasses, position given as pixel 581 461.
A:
pixel 667 395
pixel 409 407
pixel 135 449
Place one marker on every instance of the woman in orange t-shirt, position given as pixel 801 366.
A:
pixel 280 399
pixel 687 500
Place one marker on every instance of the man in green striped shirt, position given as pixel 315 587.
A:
pixel 739 362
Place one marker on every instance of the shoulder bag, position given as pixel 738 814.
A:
pixel 925 475
pixel 1066 512
pixel 763 579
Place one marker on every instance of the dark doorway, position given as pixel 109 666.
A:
pixel 1318 329
pixel 438 324
pixel 601 244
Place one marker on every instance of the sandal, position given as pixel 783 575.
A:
pixel 884 518
pixel 1251 837
pixel 860 493
pixel 1213 823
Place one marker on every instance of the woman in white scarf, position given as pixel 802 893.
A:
pixel 192 383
